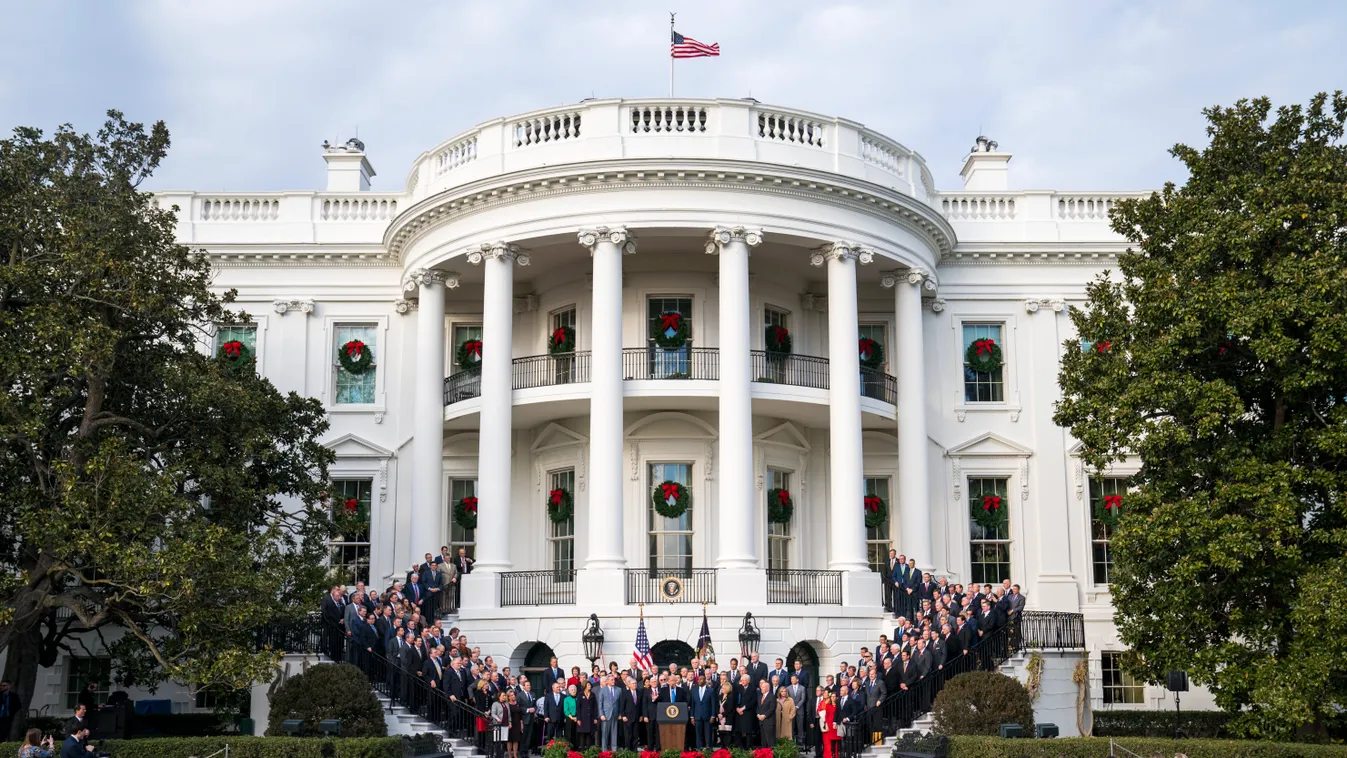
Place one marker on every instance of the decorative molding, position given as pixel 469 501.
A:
pixel 427 277
pixel 617 235
pixel 724 235
pixel 635 461
pixel 493 250
pixel 710 461
pixel 818 303
pixel 581 470
pixel 379 418
pixel 1032 304
pixel 980 258
pixel 841 250
pixel 936 304
pixel 1024 480
pixel 403 307
pixel 958 479
pixel 525 303
pixel 282 307
pixel 918 277
pixel 383 480
pixel 961 416
pixel 1014 415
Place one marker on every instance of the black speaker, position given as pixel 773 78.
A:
pixel 1011 731
pixel 1177 681
pixel 1046 730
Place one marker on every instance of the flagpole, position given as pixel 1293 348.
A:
pixel 671 58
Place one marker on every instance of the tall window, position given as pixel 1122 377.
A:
pixel 1101 533
pixel 774 367
pixel 562 536
pixel 983 386
pixel 564 365
pixel 877 543
pixel 348 551
pixel 670 538
pixel 355 389
pixel 673 363
pixel 778 535
pixel 245 333
pixel 79 671
pixel 463 333
pixel 872 382
pixel 989 546
pixel 1119 686
pixel 458 536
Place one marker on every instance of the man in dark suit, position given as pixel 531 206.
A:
pixel 416 594
pixel 10 705
pixel 413 657
pixel 925 588
pixel 393 652
pixel 766 712
pixel 553 674
pixel 757 670
pixel 529 706
pixel 895 581
pixel 705 709
pixel 554 715
pixel 429 576
pixel 432 671
pixel 628 712
pixel 778 676
pixel 893 674
pixel 73 747
pixel 334 626
pixel 464 565
pixel 745 709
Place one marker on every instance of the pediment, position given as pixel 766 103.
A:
pixel 785 435
pixel 353 446
pixel 555 435
pixel 990 445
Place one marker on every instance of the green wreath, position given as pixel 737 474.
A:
pixel 777 339
pixel 989 511
pixel 561 341
pixel 983 356
pixel 670 330
pixel 1108 508
pixel 876 511
pixel 779 506
pixel 670 499
pixel 235 355
pixel 465 512
pixel 469 354
pixel 560 505
pixel 872 353
pixel 355 357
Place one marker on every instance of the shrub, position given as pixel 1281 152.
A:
pixel 245 747
pixel 979 702
pixel 1160 723
pixel 328 691
pixel 1092 747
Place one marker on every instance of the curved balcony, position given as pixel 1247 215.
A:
pixel 659 364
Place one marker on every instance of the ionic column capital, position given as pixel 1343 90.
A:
pixel 616 235
pixel 724 235
pixel 427 277
pixel 1032 304
pixel 493 250
pixel 916 277
pixel 841 250
pixel 282 307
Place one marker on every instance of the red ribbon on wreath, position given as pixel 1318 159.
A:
pixel 354 348
pixel 351 504
pixel 1102 347
pixel 669 490
pixel 779 334
pixel 1112 502
pixel 783 497
pixel 474 347
pixel 991 502
pixel 554 497
pixel 233 348
pixel 872 503
pixel 558 336
pixel 983 346
pixel 671 321
pixel 469 504
pixel 867 346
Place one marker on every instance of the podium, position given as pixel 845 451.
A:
pixel 673 725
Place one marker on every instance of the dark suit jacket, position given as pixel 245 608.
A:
pixel 627 706
pixel 666 695
pixel 705 702
pixel 554 675
pixel 938 650
pixel 852 708
pixel 333 613
pixel 894 676
pixel 924 590
pixel 464 564
pixel 72 748
pixel 766 706
pixel 747 722
pixel 412 658
pixel 431 675
pixel 650 709
pixel 804 680
pixel 757 672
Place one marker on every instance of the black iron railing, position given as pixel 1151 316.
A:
pixel 795 370
pixel 306 634
pixel 674 585
pixel 679 363
pixel 550 370
pixel 1051 630
pixel 804 587
pixel 879 386
pixel 556 587
pixel 462 386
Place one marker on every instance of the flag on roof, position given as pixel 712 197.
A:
pixel 687 47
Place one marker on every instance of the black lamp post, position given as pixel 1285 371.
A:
pixel 593 639
pixel 749 636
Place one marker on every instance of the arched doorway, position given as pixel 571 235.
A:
pixel 671 651
pixel 535 664
pixel 808 658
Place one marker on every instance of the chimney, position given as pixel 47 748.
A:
pixel 985 169
pixel 347 169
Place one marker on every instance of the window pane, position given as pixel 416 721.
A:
pixel 462 333
pixel 1119 686
pixel 349 501
pixel 245 333
pixel 670 538
pixel 877 543
pixel 776 317
pixel 778 535
pixel 563 533
pixel 1100 532
pixel 351 388
pixel 989 547
pixel 458 536
pixel 80 671
pixel 673 363
pixel 983 386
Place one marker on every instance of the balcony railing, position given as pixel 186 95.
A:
pixel 550 370
pixel 1052 630
pixel 879 386
pixel 556 587
pixel 678 363
pixel 673 585
pixel 804 587
pixel 795 370
pixel 463 385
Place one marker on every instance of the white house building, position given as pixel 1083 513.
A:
pixel 593 222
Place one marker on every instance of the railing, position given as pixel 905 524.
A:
pixel 306 634
pixel 879 386
pixel 804 587
pixel 240 209
pixel 550 370
pixel 1085 207
pixel 795 370
pixel 552 127
pixel 668 119
pixel 1052 630
pixel 555 587
pixel 456 154
pixel 790 128
pixel 678 363
pixel 883 154
pixel 462 386
pixel 978 208
pixel 358 209
pixel 657 585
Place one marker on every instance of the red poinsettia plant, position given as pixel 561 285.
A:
pixel 762 752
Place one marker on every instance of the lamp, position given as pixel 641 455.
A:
pixel 749 636
pixel 293 727
pixel 593 639
pixel 330 727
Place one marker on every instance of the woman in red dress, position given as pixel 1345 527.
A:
pixel 827 709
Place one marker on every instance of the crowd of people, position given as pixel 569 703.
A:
pixel 398 639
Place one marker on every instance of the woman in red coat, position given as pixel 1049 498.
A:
pixel 827 709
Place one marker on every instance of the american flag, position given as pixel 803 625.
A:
pixel 641 657
pixel 687 47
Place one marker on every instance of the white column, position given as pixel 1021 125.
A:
pixel 428 504
pixel 607 245
pixel 735 497
pixel 913 502
pixel 493 452
pixel 846 467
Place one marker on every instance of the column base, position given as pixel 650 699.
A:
pixel 741 587
pixel 861 590
pixel 1056 592
pixel 481 591
pixel 600 587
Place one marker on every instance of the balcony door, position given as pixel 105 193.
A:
pixel 668 363
pixel 670 538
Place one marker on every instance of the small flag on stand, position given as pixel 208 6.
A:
pixel 704 649
pixel 641 656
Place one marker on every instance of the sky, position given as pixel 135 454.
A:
pixel 1087 94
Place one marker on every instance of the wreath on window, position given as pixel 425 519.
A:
pixel 355 357
pixel 872 353
pixel 469 353
pixel 560 505
pixel 670 499
pixel 1108 509
pixel 876 511
pixel 983 356
pixel 777 339
pixel 670 330
pixel 989 511
pixel 779 506
pixel 465 512
pixel 561 341
pixel 235 354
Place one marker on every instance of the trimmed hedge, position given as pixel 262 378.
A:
pixel 328 691
pixel 243 747
pixel 1160 724
pixel 1093 747
pixel 979 702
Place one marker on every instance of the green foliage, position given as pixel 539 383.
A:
pixel 328 691
pixel 1129 723
pixel 143 481
pixel 1224 371
pixel 245 747
pixel 556 749
pixel 1093 747
pixel 979 702
pixel 786 749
